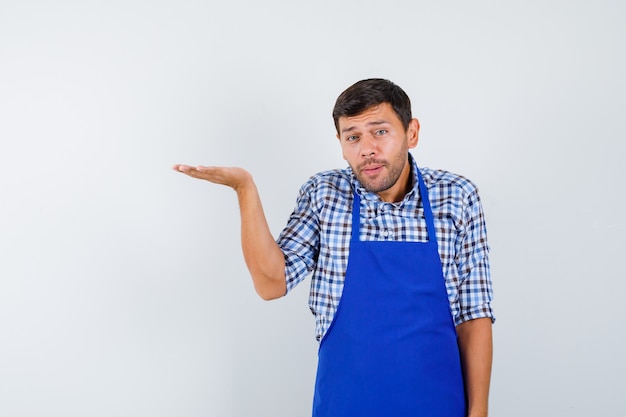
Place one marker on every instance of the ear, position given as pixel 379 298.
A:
pixel 412 133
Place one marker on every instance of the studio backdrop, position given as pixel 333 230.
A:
pixel 123 291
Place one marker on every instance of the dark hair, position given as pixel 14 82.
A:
pixel 371 92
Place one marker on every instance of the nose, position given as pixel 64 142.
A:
pixel 368 146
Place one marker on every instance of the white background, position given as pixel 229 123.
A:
pixel 122 288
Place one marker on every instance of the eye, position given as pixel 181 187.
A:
pixel 381 132
pixel 351 138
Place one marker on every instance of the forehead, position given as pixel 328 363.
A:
pixel 380 113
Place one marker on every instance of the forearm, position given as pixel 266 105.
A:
pixel 476 348
pixel 263 257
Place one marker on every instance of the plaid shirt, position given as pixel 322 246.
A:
pixel 317 238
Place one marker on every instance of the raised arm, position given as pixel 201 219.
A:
pixel 263 257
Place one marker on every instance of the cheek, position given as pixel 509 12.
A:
pixel 347 152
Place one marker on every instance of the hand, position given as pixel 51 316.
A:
pixel 235 178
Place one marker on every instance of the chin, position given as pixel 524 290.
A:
pixel 374 188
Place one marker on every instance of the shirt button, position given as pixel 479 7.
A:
pixel 385 233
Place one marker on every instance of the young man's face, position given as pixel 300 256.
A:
pixel 375 145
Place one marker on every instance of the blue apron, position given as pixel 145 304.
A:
pixel 391 349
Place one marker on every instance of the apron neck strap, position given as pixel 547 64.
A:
pixel 428 213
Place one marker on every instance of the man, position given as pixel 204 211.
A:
pixel 400 288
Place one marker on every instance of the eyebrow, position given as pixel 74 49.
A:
pixel 372 123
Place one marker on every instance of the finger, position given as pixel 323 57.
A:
pixel 180 167
pixel 203 173
pixel 185 169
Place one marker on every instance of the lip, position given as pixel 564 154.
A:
pixel 372 169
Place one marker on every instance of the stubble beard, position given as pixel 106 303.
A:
pixel 380 184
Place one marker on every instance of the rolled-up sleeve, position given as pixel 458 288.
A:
pixel 475 287
pixel 299 240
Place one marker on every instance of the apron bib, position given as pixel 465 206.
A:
pixel 391 349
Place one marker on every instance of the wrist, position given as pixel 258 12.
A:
pixel 477 413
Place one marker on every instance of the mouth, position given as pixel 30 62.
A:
pixel 371 170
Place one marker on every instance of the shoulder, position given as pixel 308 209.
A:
pixel 332 181
pixel 327 190
pixel 448 182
